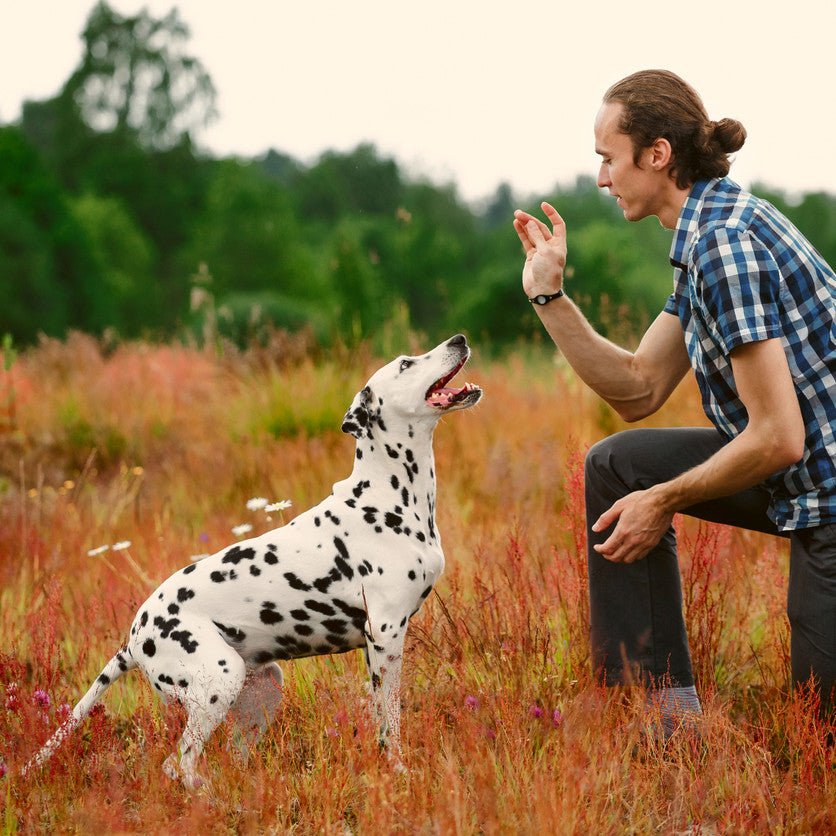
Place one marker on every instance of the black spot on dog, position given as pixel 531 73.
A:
pixel 188 644
pixel 393 520
pixel 331 517
pixel 255 571
pixel 104 679
pixel 263 656
pixel 232 633
pixel 165 626
pixel 190 569
pixel 375 681
pixel 411 575
pixel 391 452
pixel 360 487
pixel 270 616
pixel 303 629
pixel 317 522
pixel 336 641
pixel 426 592
pixel 184 594
pixel 221 662
pixel 213 699
pixel 236 554
pixel 318 606
pixel 271 558
pixel 322 584
pixel 218 577
pixel 369 514
pixel 351 503
pixel 165 679
pixel 173 609
pixel 421 536
pixel 394 482
pixel 296 583
pixel 143 619
pixel 148 647
pixel 182 683
pixel 335 625
pixel 300 615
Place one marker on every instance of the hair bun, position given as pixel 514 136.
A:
pixel 728 134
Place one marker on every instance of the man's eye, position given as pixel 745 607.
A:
pixel 405 364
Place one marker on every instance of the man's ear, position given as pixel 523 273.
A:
pixel 357 419
pixel 661 154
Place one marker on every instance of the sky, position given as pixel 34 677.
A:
pixel 476 93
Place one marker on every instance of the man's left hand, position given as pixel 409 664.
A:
pixel 640 525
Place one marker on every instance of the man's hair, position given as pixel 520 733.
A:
pixel 659 105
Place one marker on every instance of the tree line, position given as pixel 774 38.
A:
pixel 112 219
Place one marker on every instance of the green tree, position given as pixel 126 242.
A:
pixel 135 77
pixel 48 277
pixel 251 242
pixel 127 298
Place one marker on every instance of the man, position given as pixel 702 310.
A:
pixel 753 313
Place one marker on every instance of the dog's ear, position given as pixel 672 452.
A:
pixel 357 419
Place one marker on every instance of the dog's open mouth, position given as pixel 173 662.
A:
pixel 442 397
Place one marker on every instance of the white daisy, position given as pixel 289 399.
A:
pixel 256 503
pixel 283 505
pixel 196 557
pixel 98 550
pixel 121 545
pixel 241 530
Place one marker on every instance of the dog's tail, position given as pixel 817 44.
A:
pixel 121 663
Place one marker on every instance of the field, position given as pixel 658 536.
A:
pixel 160 447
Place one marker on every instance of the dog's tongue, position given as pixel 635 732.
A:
pixel 442 397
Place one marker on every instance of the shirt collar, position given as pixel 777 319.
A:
pixel 688 222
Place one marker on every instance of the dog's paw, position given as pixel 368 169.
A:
pixel 170 767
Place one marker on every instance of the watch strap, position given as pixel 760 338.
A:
pixel 545 298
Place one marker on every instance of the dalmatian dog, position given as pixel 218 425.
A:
pixel 346 574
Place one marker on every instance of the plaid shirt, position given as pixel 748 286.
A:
pixel 744 273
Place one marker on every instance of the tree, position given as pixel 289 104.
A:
pixel 135 78
pixel 127 299
pixel 47 275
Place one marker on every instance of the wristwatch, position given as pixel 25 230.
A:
pixel 545 298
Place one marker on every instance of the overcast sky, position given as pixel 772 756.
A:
pixel 473 91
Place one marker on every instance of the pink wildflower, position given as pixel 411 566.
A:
pixel 41 698
pixel 535 711
pixel 471 702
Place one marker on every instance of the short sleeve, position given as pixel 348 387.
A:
pixel 738 284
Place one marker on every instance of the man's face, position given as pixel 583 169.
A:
pixel 635 187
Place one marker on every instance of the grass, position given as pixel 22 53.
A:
pixel 504 730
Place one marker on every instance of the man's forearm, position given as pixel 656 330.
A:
pixel 612 372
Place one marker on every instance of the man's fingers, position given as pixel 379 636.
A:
pixel 527 219
pixel 606 519
pixel 553 215
pixel 519 228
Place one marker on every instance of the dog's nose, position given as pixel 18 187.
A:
pixel 459 339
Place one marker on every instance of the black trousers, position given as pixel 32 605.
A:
pixel 637 624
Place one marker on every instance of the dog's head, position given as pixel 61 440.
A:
pixel 412 389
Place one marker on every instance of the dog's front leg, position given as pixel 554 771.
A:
pixel 384 658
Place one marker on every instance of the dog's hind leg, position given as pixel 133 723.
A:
pixel 256 705
pixel 211 693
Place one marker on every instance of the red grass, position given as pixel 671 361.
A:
pixel 504 731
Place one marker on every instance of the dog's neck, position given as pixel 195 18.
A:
pixel 405 464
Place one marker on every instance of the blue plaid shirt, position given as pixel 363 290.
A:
pixel 744 273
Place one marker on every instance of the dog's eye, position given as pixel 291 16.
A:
pixel 405 364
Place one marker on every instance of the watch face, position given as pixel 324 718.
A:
pixel 541 299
